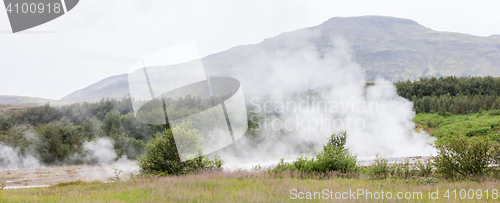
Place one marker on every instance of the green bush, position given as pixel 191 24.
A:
pixel 463 157
pixel 402 170
pixel 425 168
pixel 334 157
pixel 494 113
pixel 428 180
pixel 162 157
pixel 380 168
pixel 477 131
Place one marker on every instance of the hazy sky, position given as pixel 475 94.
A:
pixel 100 38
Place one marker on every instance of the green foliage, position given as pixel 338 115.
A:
pixel 162 157
pixel 403 169
pixel 451 94
pixel 337 141
pixel 256 168
pixel 380 168
pixel 116 172
pixel 449 85
pixel 55 134
pixel 494 113
pixel 428 180
pixel 425 168
pixel 58 140
pixel 334 157
pixel 463 157
pixel 64 184
pixel 472 125
pixel 36 115
pixel 475 132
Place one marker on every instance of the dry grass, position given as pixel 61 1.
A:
pixel 240 186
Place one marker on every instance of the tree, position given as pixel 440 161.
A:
pixel 463 157
pixel 162 153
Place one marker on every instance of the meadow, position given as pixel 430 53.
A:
pixel 257 186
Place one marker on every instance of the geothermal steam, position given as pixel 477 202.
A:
pixel 305 93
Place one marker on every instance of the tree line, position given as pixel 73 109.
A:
pixel 455 95
pixel 55 135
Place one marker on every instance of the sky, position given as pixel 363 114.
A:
pixel 98 39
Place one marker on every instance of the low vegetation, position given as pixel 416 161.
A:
pixel 459 157
pixel 333 157
pixel 485 125
pixel 244 186
pixel 162 155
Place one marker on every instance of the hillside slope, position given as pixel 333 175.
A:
pixel 393 48
pixel 28 101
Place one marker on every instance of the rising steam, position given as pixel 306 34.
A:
pixel 311 88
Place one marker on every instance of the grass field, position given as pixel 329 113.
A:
pixel 252 187
pixel 477 124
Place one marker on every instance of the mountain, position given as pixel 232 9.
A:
pixel 29 101
pixel 111 87
pixel 393 48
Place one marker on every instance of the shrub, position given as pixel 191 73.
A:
pixel 477 131
pixel 380 168
pixel 334 157
pixel 425 168
pixel 463 157
pixel 428 180
pixel 162 157
pixel 494 113
pixel 402 170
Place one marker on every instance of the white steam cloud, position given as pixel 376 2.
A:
pixel 306 93
pixel 11 160
pixel 101 149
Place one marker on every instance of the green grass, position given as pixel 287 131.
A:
pixel 230 187
pixel 484 124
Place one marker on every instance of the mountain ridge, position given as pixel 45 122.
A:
pixel 389 47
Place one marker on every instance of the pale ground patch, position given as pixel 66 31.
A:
pixel 52 175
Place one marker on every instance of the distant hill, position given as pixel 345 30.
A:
pixel 111 87
pixel 393 48
pixel 28 101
